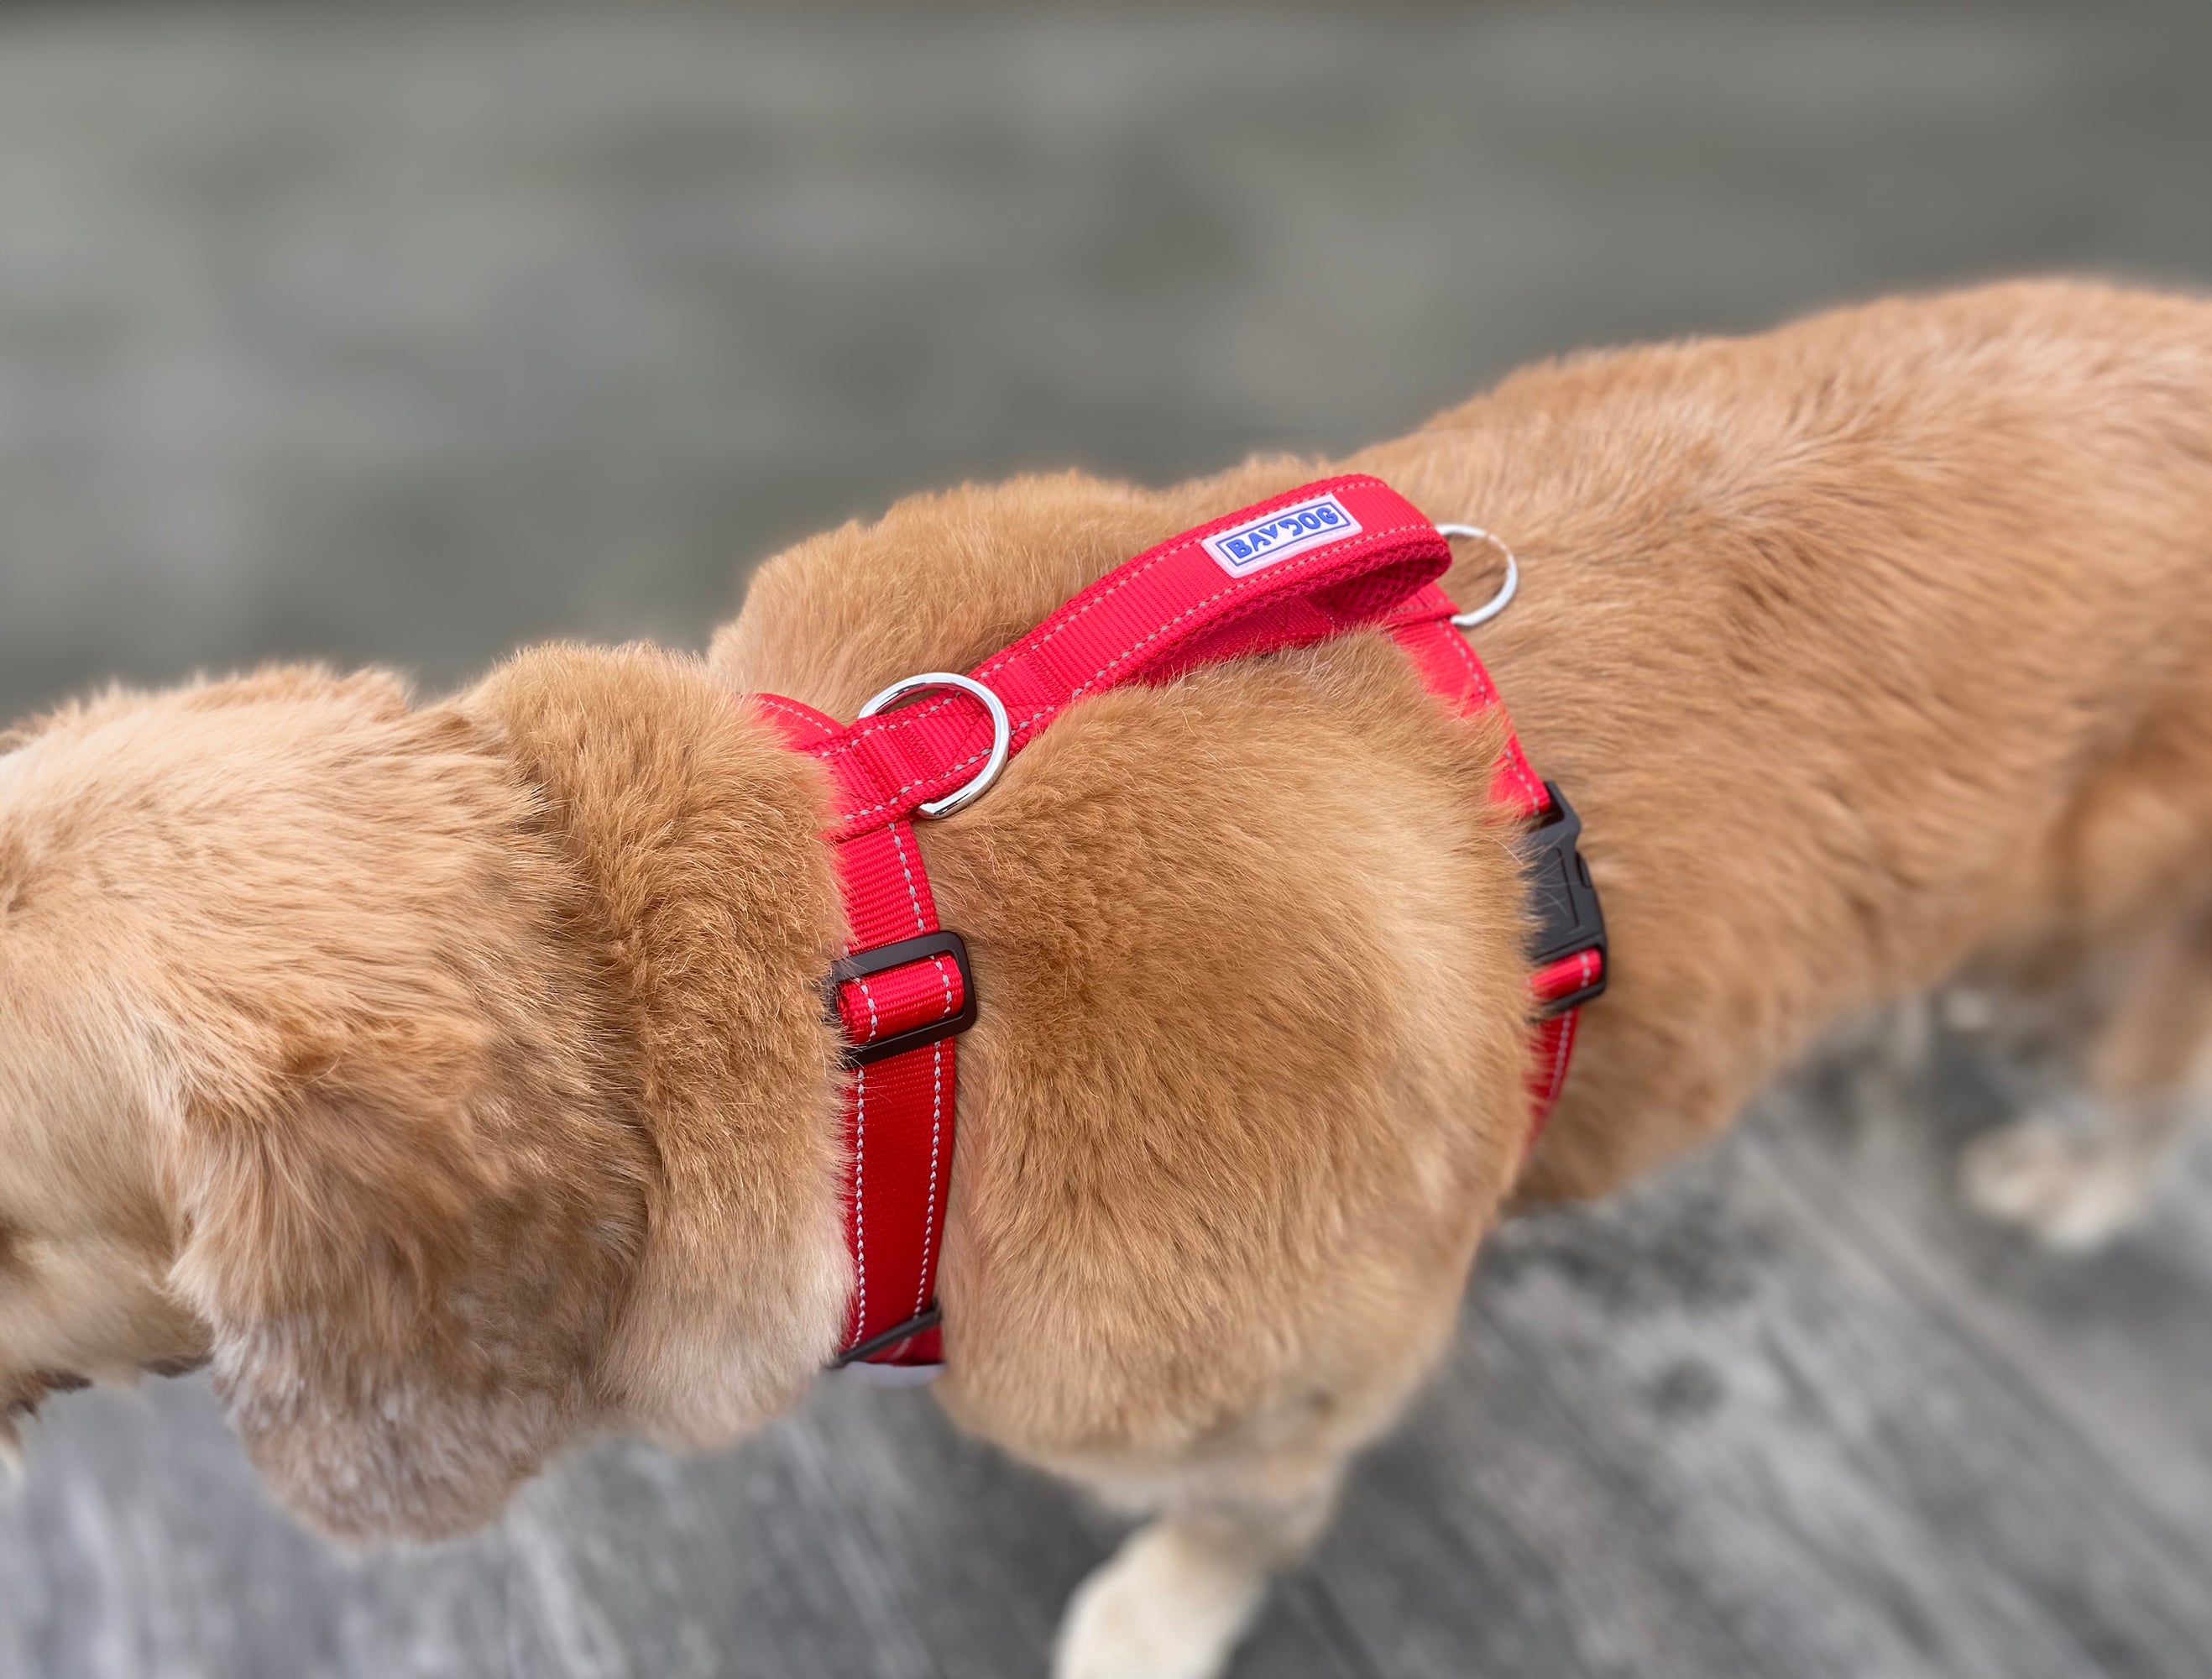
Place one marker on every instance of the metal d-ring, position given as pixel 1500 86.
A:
pixel 1498 602
pixel 1002 734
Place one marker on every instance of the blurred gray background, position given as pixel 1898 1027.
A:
pixel 407 335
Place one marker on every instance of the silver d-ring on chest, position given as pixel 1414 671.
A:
pixel 1002 734
pixel 1498 602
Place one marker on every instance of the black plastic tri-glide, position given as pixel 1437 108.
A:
pixel 1569 918
pixel 919 1323
pixel 862 963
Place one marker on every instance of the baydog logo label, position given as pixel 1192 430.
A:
pixel 1280 535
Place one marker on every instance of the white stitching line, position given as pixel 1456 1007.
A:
pixel 908 715
pixel 860 1203
pixel 1182 544
pixel 1003 659
pixel 1517 768
pixel 912 896
pixel 1074 693
pixel 787 707
pixel 1162 630
pixel 860 1178
pixel 924 781
pixel 818 727
pixel 936 1078
pixel 1559 1057
pixel 936 1131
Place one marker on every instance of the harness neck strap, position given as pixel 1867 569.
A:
pixel 1339 555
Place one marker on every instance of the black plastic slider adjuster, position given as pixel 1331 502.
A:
pixel 861 964
pixel 917 1325
pixel 1569 918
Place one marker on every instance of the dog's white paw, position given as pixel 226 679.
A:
pixel 2073 1193
pixel 1169 1606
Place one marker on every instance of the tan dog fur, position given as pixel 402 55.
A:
pixel 456 1076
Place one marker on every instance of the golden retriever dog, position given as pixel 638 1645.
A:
pixel 454 1076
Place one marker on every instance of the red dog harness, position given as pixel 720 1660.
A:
pixel 1343 554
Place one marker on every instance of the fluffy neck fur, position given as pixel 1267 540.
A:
pixel 711 893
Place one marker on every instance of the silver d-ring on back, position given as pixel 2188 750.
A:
pixel 1498 602
pixel 1002 734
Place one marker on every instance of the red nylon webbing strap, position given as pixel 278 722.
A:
pixel 1328 558
pixel 1298 569
pixel 897 1110
pixel 1339 555
pixel 1448 665
pixel 1423 628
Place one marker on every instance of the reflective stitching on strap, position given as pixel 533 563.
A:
pixel 1566 1046
pixel 912 896
pixel 775 702
pixel 898 797
pixel 936 1139
pixel 1021 729
pixel 1251 582
pixel 1174 545
pixel 1345 584
pixel 1516 764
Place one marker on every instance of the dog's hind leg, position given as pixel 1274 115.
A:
pixel 2075 1179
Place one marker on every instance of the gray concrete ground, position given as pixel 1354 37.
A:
pixel 407 335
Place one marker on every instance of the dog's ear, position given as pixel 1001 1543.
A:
pixel 407 1289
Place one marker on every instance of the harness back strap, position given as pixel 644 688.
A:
pixel 1339 555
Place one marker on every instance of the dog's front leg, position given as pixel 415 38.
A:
pixel 1179 1594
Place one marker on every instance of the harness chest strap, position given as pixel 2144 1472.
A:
pixel 1342 554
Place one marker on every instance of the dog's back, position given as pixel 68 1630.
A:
pixel 1869 647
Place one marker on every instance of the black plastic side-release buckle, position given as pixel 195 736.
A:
pixel 862 963
pixel 1568 916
